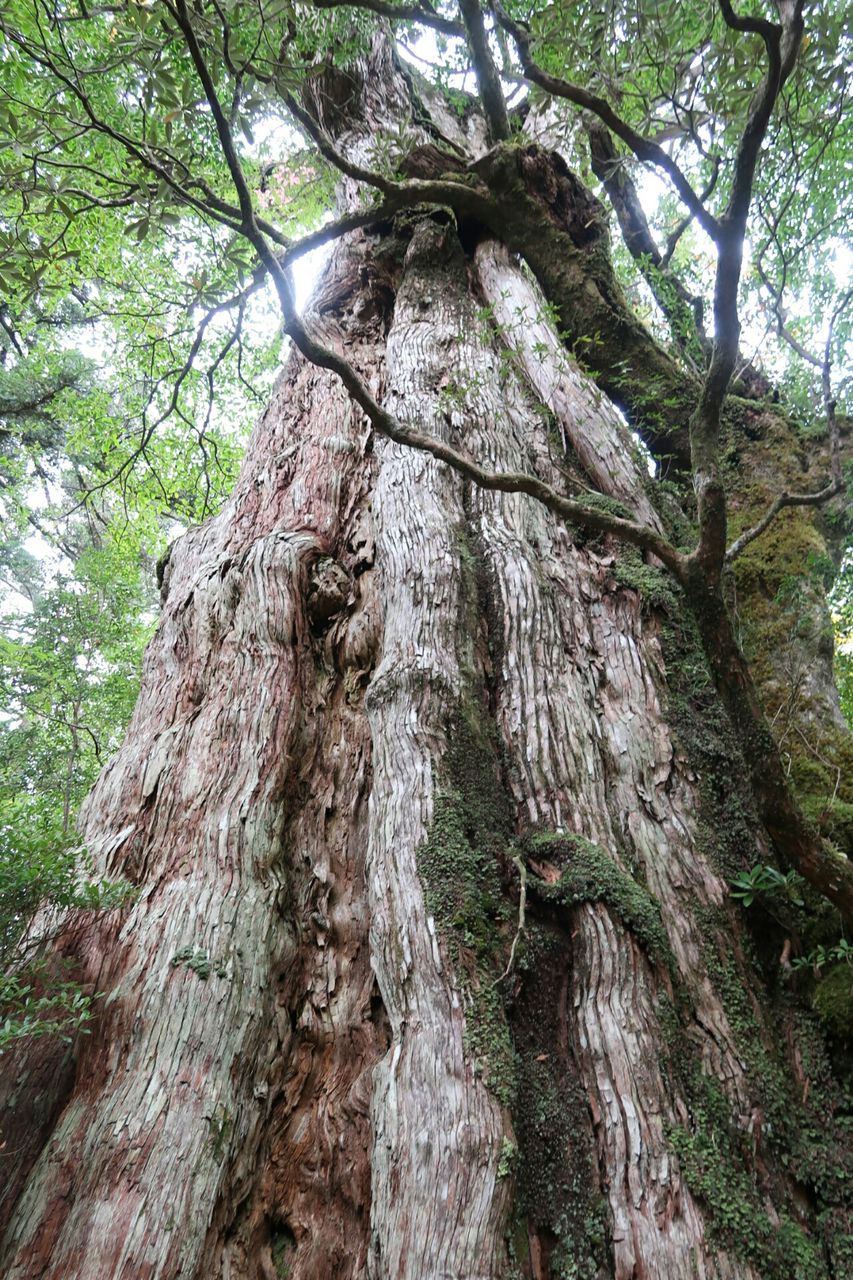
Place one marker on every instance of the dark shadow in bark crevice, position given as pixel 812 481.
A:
pixel 561 1213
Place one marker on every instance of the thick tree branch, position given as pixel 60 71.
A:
pixel 768 31
pixel 761 109
pixel 682 311
pixel 488 80
pixel 400 13
pixel 644 149
pixel 798 845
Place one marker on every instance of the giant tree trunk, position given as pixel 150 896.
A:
pixel 432 972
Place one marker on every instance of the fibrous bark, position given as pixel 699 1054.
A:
pixel 377 697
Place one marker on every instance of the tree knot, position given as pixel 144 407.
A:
pixel 328 591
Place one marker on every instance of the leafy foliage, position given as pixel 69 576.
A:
pixel 69 673
pixel 821 955
pixel 748 885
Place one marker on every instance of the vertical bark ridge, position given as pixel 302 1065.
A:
pixel 315 1143
pixel 657 1228
pixel 438 1207
pixel 590 424
pixel 170 1092
pixel 573 765
pixel 654 805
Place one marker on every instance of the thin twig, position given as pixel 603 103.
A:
pixel 783 500
pixel 519 933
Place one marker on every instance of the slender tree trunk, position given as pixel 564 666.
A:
pixel 431 805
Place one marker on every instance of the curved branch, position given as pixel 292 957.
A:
pixel 643 148
pixel 468 197
pixel 784 500
pixel 678 231
pixel 768 31
pixel 782 43
pixel 398 195
pixel 399 13
pixel 782 329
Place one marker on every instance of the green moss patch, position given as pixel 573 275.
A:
pixel 589 874
pixel 833 1001
pixel 558 1198
pixel 804 1123
pixel 655 587
pixel 727 821
pixel 712 1162
pixel 463 894
pixel 781 580
pixel 459 865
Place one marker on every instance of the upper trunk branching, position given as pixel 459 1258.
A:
pixel 682 310
pixel 527 198
pixel 701 571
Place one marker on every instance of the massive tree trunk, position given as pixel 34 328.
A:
pixel 431 806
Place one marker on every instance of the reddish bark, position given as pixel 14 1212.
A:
pixel 363 664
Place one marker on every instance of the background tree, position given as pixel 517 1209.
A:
pixel 452 737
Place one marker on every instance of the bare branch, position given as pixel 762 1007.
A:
pixel 784 500
pixel 400 13
pixel 506 482
pixel 781 328
pixel 488 80
pixel 330 152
